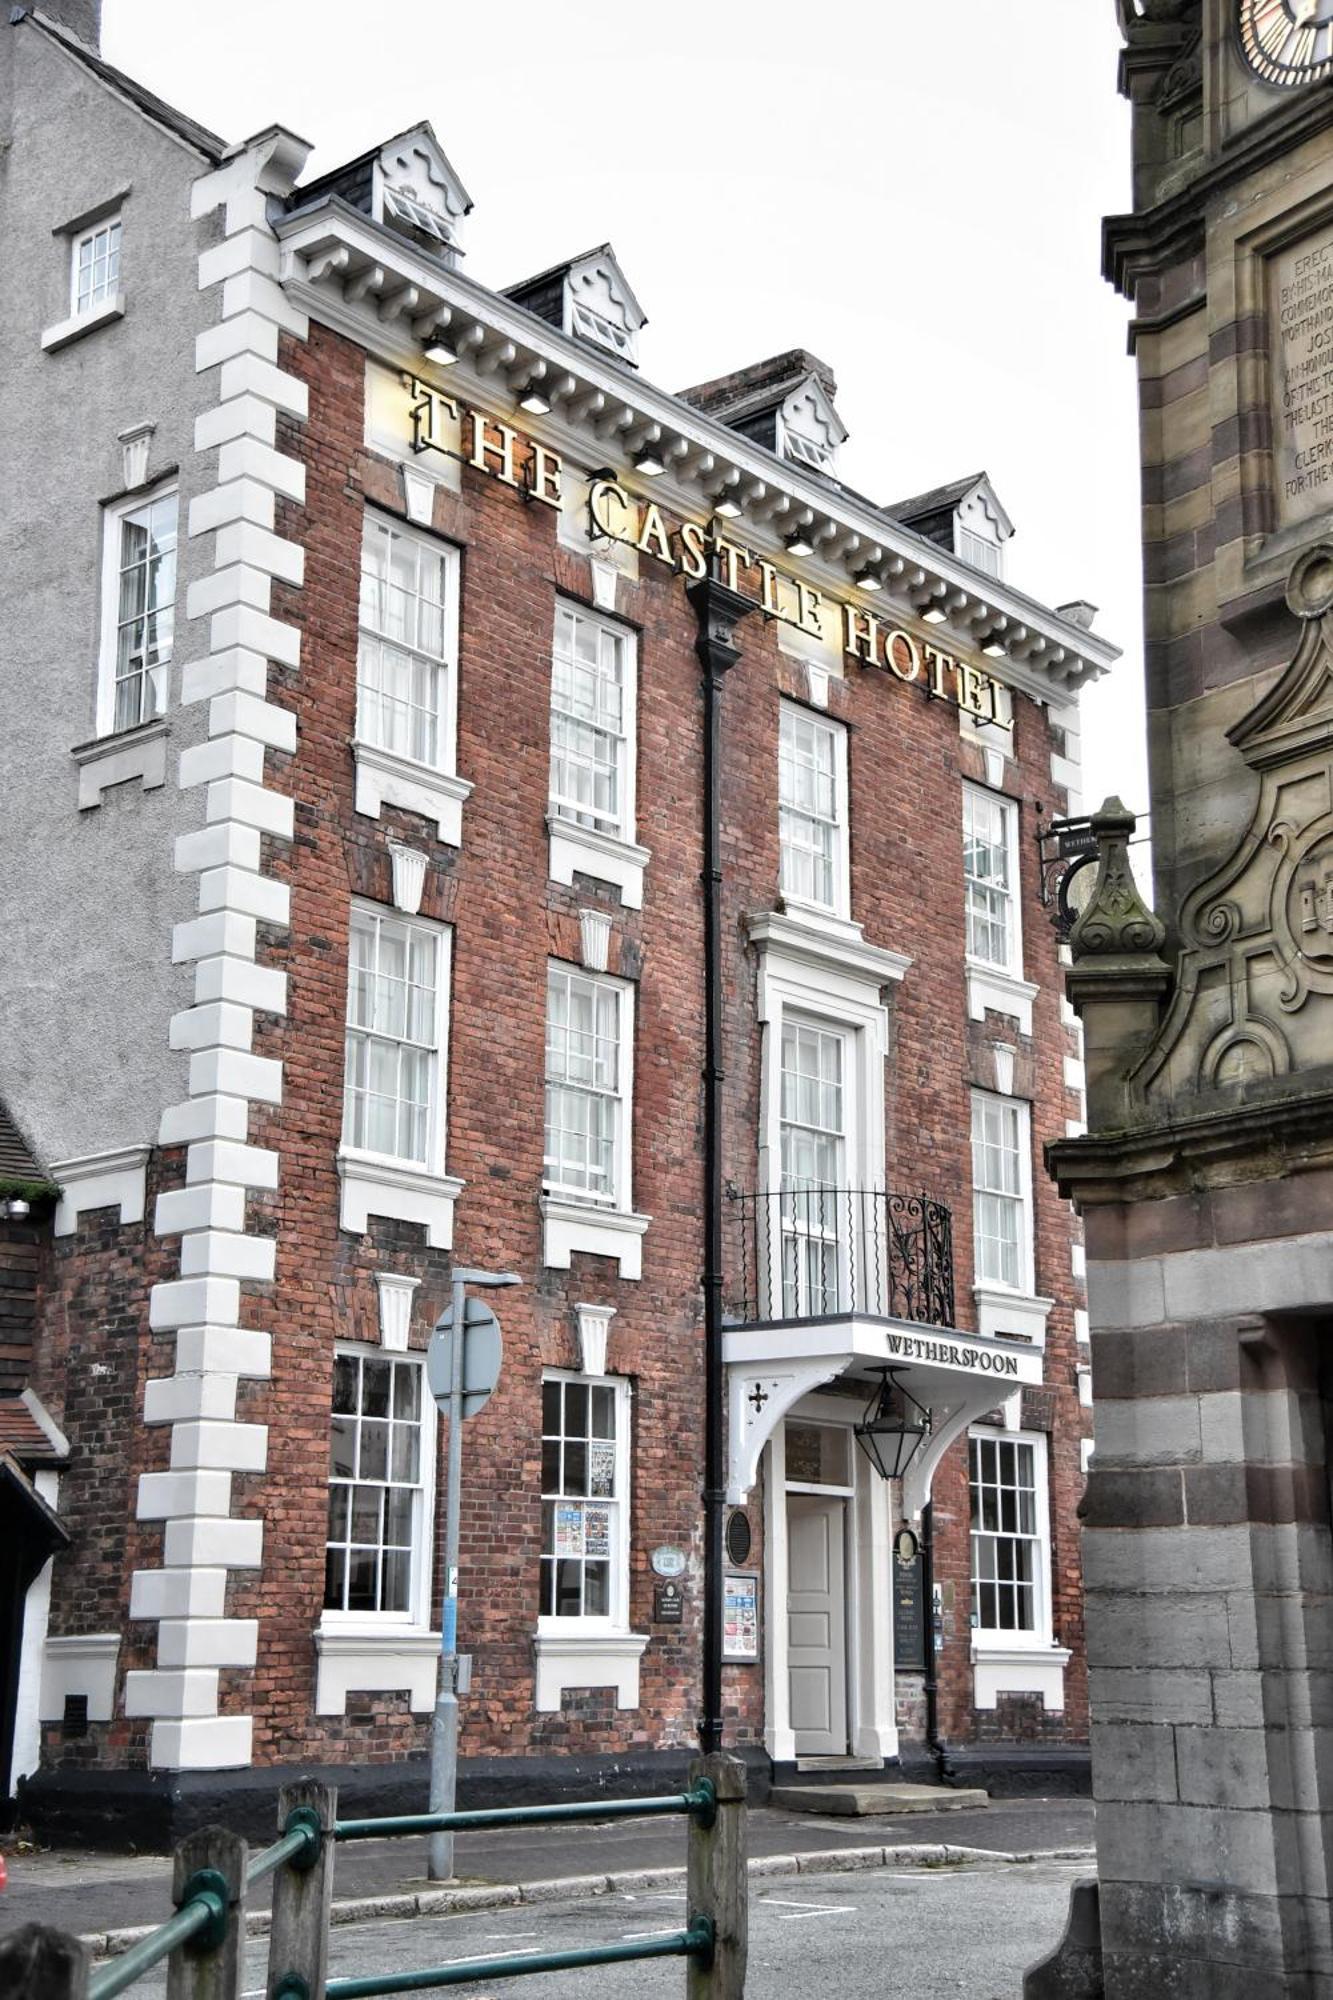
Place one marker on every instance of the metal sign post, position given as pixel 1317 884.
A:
pixel 460 1396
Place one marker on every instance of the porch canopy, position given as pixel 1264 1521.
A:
pixel 958 1377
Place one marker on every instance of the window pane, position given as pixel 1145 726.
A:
pixel 374 1483
pixel 1005 1542
pixel 809 815
pixel 581 1531
pixel 988 827
pixel 406 644
pixel 589 749
pixel 392 1052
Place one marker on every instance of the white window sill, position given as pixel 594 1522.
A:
pixel 990 986
pixel 1001 1666
pixel 604 1232
pixel 375 1659
pixel 78 324
pixel 115 760
pixel 579 1658
pixel 384 778
pixel 406 1193
pixel 583 850
pixel 1011 1315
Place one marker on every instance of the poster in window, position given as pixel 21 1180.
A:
pixel 601 1468
pixel 568 1531
pixel 597 1531
pixel 740 1624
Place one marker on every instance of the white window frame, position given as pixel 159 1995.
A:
pixel 623 829
pixel 1022 1112
pixel 109 293
pixel 433 1164
pixel 620 1201
pixel 806 1223
pixel 608 855
pixel 840 904
pixel 616 1620
pixel 1012 963
pixel 416 1616
pixel 114 516
pixel 387 776
pixel 1038 1640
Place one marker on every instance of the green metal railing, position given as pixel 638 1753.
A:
pixel 201 1917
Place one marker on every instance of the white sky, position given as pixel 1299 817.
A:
pixel 910 188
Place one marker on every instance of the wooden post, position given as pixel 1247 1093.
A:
pixel 717 1882
pixel 204 1969
pixel 299 1940
pixel 39 1963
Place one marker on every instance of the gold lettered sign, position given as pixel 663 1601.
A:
pixel 689 548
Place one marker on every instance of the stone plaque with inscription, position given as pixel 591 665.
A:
pixel 1301 336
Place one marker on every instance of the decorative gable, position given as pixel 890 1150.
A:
pixel 809 428
pixel 981 528
pixel 600 306
pixel 417 191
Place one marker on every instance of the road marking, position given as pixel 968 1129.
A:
pixel 648 1934
pixel 487 1936
pixel 836 1910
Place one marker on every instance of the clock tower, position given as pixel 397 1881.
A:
pixel 1206 1178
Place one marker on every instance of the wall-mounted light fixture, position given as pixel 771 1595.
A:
pixel 534 398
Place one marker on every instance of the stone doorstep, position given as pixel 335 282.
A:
pixel 857 1801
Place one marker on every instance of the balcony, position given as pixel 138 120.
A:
pixel 831 1253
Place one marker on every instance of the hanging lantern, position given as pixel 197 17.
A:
pixel 894 1427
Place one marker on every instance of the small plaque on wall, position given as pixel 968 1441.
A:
pixel 1300 306
pixel 740 1618
pixel 668 1603
pixel 909 1605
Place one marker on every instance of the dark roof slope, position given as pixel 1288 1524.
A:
pixel 934 502
pixel 18 1162
pixel 196 135
pixel 763 384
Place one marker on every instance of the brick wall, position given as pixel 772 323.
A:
pixel 906 768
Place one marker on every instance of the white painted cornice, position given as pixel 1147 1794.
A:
pixel 369 283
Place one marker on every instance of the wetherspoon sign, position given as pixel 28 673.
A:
pixel 686 546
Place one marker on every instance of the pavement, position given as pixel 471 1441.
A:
pixel 110 1897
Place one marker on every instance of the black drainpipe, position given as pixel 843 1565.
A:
pixel 935 1743
pixel 719 611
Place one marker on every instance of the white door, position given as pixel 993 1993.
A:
pixel 816 1624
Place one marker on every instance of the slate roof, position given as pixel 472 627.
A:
pixel 18 1162
pixel 934 502
pixel 23 1438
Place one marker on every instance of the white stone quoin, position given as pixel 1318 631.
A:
pixel 201 1539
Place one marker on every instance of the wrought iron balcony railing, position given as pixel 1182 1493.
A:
pixel 814 1252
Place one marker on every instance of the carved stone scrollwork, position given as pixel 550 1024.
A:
pixel 1255 971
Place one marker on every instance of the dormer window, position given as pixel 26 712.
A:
pixel 406 204
pixel 589 298
pixel 809 428
pixel 784 404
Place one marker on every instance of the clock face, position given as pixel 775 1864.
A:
pixel 1288 42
